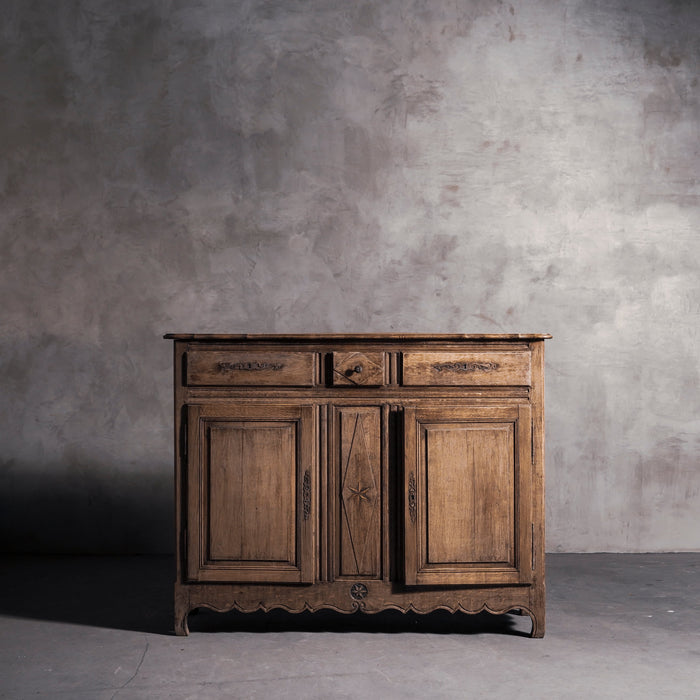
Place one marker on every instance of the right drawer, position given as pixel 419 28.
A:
pixel 467 368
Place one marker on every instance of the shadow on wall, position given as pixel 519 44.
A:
pixel 87 514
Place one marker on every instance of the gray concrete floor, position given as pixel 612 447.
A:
pixel 619 626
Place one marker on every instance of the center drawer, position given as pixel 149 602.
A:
pixel 359 369
pixel 478 368
pixel 250 368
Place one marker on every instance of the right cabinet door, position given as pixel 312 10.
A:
pixel 467 495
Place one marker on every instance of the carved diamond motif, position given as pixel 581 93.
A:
pixel 359 496
pixel 361 368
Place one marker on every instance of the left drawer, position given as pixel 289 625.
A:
pixel 250 368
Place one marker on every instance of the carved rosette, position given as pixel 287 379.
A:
pixel 358 591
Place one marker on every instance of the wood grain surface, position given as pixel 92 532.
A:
pixel 360 472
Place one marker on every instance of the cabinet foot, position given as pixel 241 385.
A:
pixel 182 610
pixel 537 624
pixel 181 629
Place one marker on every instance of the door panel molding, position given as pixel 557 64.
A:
pixel 467 514
pixel 251 475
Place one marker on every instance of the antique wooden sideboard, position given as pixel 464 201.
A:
pixel 360 472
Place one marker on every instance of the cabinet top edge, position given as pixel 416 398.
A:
pixel 354 337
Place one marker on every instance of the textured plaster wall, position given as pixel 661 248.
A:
pixel 325 165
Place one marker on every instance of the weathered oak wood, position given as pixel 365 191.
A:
pixel 468 471
pixel 360 472
pixel 354 337
pixel 213 368
pixel 358 478
pixel 250 478
pixel 497 368
pixel 359 368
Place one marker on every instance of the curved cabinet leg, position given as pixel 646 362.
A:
pixel 182 609
pixel 537 617
pixel 181 629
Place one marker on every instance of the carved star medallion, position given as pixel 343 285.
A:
pixel 360 492
pixel 358 591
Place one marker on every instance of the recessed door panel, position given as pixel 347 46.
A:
pixel 467 482
pixel 358 500
pixel 470 492
pixel 251 466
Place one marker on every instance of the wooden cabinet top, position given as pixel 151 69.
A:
pixel 356 337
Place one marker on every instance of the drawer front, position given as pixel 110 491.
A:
pixel 250 368
pixel 490 368
pixel 359 369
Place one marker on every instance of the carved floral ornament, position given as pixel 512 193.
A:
pixel 358 591
pixel 412 497
pixel 466 366
pixel 250 366
pixel 306 494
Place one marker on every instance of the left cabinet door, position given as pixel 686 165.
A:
pixel 251 493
